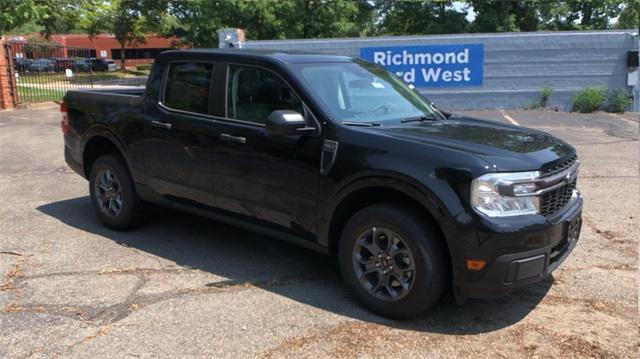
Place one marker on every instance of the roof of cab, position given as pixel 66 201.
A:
pixel 286 57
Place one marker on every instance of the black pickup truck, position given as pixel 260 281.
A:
pixel 337 155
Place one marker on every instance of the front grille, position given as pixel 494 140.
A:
pixel 557 167
pixel 555 200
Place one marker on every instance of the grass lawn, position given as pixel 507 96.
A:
pixel 79 77
pixel 30 94
pixel 51 86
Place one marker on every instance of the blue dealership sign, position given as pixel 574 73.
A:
pixel 433 65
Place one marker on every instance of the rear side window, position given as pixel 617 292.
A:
pixel 253 93
pixel 187 86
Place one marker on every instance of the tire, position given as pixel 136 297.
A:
pixel 110 181
pixel 419 257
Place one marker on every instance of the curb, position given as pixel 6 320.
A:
pixel 37 105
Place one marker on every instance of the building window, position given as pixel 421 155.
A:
pixel 81 52
pixel 133 54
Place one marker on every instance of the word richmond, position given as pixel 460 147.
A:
pixel 442 65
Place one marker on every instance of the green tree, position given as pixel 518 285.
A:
pixel 195 22
pixel 502 16
pixel 325 18
pixel 30 27
pixel 44 16
pixel 595 14
pixel 420 17
pixel 128 20
pixel 60 17
pixel 556 16
pixel 16 13
pixel 629 16
pixel 580 15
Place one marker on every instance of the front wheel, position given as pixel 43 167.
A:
pixel 113 194
pixel 394 263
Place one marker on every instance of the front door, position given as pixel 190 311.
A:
pixel 271 180
pixel 178 138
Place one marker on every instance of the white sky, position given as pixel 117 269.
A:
pixel 460 5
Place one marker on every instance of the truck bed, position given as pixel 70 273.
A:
pixel 115 95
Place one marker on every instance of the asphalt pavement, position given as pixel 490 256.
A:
pixel 184 286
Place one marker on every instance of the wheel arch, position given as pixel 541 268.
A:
pixel 367 191
pixel 99 144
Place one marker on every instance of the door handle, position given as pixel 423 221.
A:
pixel 165 125
pixel 227 137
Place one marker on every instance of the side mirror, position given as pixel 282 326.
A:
pixel 286 123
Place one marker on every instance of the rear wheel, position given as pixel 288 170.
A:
pixel 393 262
pixel 113 193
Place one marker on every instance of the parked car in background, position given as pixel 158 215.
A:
pixel 99 64
pixel 43 65
pixel 111 65
pixel 82 65
pixel 63 63
pixel 22 64
pixel 103 65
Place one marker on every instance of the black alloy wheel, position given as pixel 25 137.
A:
pixel 113 193
pixel 394 260
pixel 384 264
pixel 108 192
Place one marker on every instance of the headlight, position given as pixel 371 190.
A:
pixel 505 194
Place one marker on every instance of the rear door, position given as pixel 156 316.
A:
pixel 272 180
pixel 177 138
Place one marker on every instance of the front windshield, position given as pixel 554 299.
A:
pixel 363 92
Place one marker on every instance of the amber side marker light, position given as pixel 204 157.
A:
pixel 475 264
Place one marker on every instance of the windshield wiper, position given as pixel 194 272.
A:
pixel 419 119
pixel 365 124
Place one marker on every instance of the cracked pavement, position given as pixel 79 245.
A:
pixel 183 286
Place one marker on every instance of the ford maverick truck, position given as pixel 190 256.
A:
pixel 337 155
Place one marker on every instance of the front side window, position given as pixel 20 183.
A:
pixel 187 86
pixel 253 93
pixel 363 92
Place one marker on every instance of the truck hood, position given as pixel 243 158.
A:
pixel 503 147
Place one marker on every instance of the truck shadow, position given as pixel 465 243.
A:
pixel 281 268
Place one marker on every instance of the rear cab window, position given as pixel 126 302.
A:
pixel 187 86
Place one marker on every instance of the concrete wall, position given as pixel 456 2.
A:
pixel 516 65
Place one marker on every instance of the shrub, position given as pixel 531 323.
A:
pixel 619 101
pixel 143 67
pixel 545 96
pixel 532 105
pixel 589 99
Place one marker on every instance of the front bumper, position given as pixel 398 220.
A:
pixel 512 270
